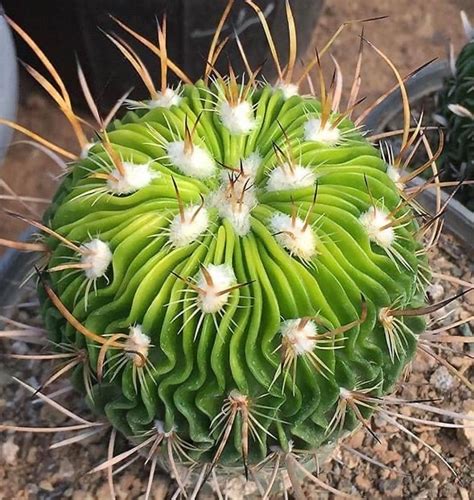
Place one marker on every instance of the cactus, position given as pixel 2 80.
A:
pixel 456 113
pixel 234 273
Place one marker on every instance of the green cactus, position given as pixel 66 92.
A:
pixel 236 261
pixel 235 272
pixel 456 109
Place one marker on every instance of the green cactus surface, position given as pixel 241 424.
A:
pixel 236 269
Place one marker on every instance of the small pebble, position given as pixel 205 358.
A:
pixel 469 429
pixel 10 451
pixel 46 486
pixel 362 482
pixel 442 380
pixel 435 292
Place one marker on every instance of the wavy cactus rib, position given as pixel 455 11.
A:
pixel 456 108
pixel 239 267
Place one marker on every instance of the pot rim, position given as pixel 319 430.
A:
pixel 428 80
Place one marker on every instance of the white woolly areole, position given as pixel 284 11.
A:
pixel 344 393
pixel 196 162
pixel 374 222
pixel 298 335
pixel 290 177
pixel 237 119
pixel 97 256
pixel 134 178
pixel 239 217
pixel 159 426
pixel 296 238
pixel 235 199
pixel 194 223
pixel 210 296
pixel 246 169
pixel 138 345
pixel 85 150
pixel 165 99
pixel 225 200
pixel 314 131
pixel 288 89
pixel 251 164
pixel 394 174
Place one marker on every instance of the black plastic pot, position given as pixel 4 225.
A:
pixel 65 28
pixel 8 83
pixel 458 219
pixel 14 268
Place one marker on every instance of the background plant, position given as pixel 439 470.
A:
pixel 456 114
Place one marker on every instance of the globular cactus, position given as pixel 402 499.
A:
pixel 239 262
pixel 233 270
pixel 456 114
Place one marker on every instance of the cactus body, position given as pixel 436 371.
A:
pixel 240 261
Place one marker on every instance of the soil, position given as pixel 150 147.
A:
pixel 30 470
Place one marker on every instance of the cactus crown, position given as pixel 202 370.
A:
pixel 237 271
pixel 456 113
